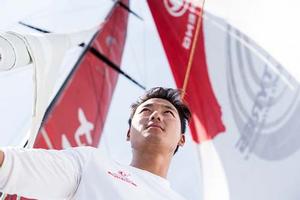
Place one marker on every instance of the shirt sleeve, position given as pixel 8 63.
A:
pixel 42 174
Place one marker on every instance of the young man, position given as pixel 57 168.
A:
pixel 156 129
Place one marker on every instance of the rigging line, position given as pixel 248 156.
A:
pixel 129 10
pixel 97 54
pixel 191 57
pixel 187 74
pixel 33 27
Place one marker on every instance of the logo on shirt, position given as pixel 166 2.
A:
pixel 121 175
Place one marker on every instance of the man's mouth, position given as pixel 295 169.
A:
pixel 155 126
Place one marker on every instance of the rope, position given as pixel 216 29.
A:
pixel 191 57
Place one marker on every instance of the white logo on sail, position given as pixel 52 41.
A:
pixel 176 8
pixel 84 129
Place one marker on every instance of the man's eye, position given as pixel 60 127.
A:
pixel 170 112
pixel 145 110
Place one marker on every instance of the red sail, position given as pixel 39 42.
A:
pixel 78 113
pixel 176 23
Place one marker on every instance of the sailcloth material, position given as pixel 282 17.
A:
pixel 206 120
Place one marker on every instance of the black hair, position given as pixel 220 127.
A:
pixel 169 94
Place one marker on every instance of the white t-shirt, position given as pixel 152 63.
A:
pixel 78 173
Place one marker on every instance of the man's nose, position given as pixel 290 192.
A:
pixel 155 116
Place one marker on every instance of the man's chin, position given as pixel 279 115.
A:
pixel 153 132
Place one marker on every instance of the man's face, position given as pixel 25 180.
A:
pixel 156 127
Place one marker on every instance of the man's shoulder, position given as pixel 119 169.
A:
pixel 83 153
pixel 84 150
pixel 87 153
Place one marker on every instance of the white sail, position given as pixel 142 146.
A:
pixel 251 47
pixel 246 43
pixel 43 60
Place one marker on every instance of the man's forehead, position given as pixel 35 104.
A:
pixel 158 102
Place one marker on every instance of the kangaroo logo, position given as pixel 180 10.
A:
pixel 84 129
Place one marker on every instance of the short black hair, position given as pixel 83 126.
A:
pixel 169 94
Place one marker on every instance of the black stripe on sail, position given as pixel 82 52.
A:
pixel 102 57
pixel 129 10
pixel 96 53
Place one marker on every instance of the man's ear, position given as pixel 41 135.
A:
pixel 182 140
pixel 128 135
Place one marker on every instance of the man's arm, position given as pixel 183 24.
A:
pixel 1 157
pixel 38 170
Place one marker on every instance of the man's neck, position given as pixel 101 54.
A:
pixel 155 163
